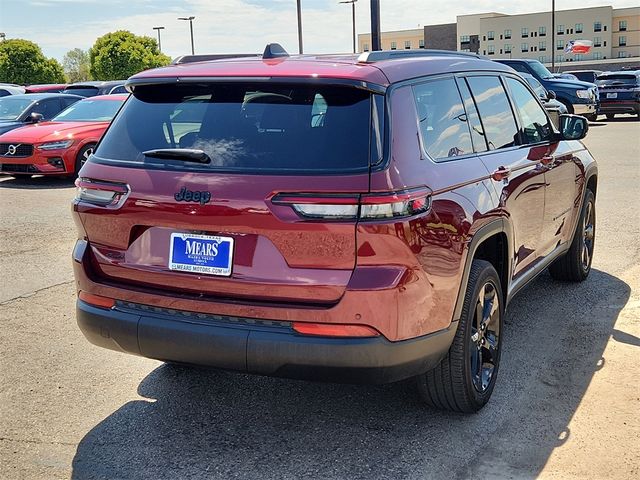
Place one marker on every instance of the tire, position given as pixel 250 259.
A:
pixel 592 117
pixel 575 265
pixel 19 177
pixel 452 385
pixel 610 116
pixel 83 156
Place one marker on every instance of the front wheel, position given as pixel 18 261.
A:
pixel 575 265
pixel 611 116
pixel 83 155
pixel 464 380
pixel 592 117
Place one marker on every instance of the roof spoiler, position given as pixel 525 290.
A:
pixel 274 50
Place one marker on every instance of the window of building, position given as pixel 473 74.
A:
pixel 622 25
pixel 491 49
pixel 597 26
pixel 465 50
pixel 559 58
pixel 495 112
pixel 421 43
pixel 507 48
pixel 597 56
pixel 622 41
pixel 604 44
pixel 507 34
pixel 578 57
pixel 622 54
pixel 524 47
pixel 542 59
pixel 579 27
pixel 542 31
pixel 542 46
pixel 443 124
pixel 560 30
pixel 524 32
pixel 366 47
pixel 394 45
pixel 491 35
pixel 597 41
pixel 559 44
pixel 464 39
pixel 407 44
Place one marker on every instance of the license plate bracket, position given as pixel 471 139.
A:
pixel 203 254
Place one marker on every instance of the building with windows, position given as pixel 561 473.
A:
pixel 615 34
pixel 441 37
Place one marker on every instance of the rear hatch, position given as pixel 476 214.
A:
pixel 203 176
pixel 618 86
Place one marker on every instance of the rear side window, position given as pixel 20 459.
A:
pixel 619 79
pixel 249 128
pixel 535 123
pixel 82 91
pixel 495 112
pixel 442 119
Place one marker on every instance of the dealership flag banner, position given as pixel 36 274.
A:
pixel 578 46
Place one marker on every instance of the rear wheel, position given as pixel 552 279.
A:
pixel 575 265
pixel 83 155
pixel 464 380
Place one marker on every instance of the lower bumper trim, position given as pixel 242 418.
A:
pixel 273 351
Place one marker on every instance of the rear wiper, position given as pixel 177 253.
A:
pixel 184 154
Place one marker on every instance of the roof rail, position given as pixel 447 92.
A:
pixel 379 55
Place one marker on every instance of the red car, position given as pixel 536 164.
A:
pixel 45 88
pixel 61 146
pixel 343 218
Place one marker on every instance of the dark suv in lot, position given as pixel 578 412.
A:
pixel 619 93
pixel 340 218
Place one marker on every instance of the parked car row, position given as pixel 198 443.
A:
pixel 84 89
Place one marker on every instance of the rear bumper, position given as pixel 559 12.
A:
pixel 261 347
pixel 620 106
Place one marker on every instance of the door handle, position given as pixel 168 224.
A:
pixel 501 173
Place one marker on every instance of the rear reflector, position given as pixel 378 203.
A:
pixel 97 300
pixel 100 193
pixel 377 206
pixel 334 330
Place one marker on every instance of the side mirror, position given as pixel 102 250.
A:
pixel 34 117
pixel 573 127
pixel 551 95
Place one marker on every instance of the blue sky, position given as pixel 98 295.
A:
pixel 227 26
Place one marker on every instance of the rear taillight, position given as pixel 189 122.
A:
pixel 334 330
pixel 369 206
pixel 100 193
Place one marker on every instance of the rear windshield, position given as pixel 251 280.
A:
pixel 251 128
pixel 618 79
pixel 82 91
pixel 89 111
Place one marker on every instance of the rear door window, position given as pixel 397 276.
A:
pixel 442 119
pixel 535 125
pixel 244 127
pixel 495 112
pixel 475 126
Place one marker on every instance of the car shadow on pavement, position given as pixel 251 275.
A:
pixel 214 424
pixel 41 182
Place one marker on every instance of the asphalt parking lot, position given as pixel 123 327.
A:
pixel 566 404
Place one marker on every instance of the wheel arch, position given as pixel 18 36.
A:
pixel 492 242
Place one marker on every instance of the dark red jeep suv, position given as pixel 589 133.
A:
pixel 341 218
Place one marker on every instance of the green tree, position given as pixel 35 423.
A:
pixel 23 62
pixel 76 65
pixel 118 55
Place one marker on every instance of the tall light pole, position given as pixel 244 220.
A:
pixel 159 44
pixel 191 28
pixel 353 15
pixel 553 35
pixel 299 8
pixel 376 43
